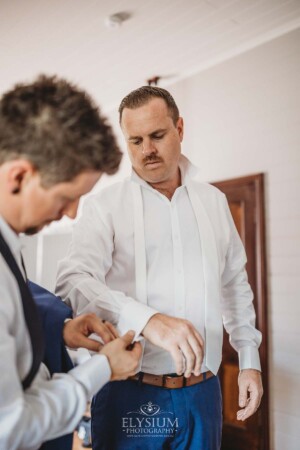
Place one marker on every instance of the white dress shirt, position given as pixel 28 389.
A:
pixel 49 407
pixel 135 253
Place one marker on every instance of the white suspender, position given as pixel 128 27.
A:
pixel 213 318
pixel 139 244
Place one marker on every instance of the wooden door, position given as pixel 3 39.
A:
pixel 246 201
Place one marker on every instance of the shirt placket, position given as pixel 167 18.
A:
pixel 178 268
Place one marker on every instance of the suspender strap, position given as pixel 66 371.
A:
pixel 213 318
pixel 31 314
pixel 139 245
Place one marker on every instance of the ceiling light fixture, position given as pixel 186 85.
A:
pixel 116 20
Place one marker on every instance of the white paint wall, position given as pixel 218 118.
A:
pixel 242 117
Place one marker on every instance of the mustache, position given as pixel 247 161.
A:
pixel 151 158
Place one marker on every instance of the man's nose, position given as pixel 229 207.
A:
pixel 148 147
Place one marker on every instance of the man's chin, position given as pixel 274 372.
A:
pixel 35 229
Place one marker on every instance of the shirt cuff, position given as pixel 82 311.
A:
pixel 135 316
pixel 93 374
pixel 249 358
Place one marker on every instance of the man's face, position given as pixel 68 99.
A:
pixel 40 205
pixel 153 141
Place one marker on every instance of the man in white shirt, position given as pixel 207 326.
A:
pixel 54 145
pixel 159 253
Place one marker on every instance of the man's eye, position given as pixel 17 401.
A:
pixel 158 137
pixel 136 142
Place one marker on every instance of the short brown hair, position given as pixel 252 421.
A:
pixel 58 128
pixel 143 95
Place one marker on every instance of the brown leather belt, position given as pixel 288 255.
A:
pixel 169 381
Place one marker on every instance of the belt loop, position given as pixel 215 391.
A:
pixel 163 380
pixel 184 381
pixel 204 376
pixel 141 376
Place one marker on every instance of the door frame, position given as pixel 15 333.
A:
pixel 256 182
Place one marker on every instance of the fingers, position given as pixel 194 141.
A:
pixel 178 359
pixel 190 358
pixel 180 338
pixel 88 343
pixel 188 355
pixel 123 362
pixel 197 348
pixel 112 329
pixel 128 337
pixel 137 350
pixel 76 332
pixel 192 350
pixel 243 400
pixel 103 330
pixel 249 384
pixel 252 406
pixel 243 394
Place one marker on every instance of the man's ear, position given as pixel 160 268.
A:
pixel 180 127
pixel 18 171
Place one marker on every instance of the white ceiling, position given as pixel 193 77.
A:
pixel 173 38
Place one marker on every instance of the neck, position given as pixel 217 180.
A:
pixel 9 213
pixel 168 188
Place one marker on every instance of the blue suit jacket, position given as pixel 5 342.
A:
pixel 53 313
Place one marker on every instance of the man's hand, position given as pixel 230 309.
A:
pixel 249 382
pixel 76 332
pixel 122 356
pixel 180 338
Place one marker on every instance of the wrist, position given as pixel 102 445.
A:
pixel 65 332
pixel 250 371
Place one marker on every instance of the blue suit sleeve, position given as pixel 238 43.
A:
pixel 53 312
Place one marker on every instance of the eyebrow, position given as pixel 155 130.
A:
pixel 159 130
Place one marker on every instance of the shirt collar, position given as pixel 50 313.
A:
pixel 10 237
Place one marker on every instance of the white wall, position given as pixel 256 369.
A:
pixel 242 117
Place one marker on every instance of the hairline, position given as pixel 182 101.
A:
pixel 145 102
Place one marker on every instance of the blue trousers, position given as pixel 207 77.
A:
pixel 127 415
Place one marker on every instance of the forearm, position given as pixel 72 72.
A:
pixel 237 301
pixel 86 294
pixel 49 408
pixel 239 321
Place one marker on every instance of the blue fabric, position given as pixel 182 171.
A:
pixel 53 313
pixel 127 415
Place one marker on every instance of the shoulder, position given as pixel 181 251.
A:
pixel 207 189
pixel 213 200
pixel 111 201
pixel 111 192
